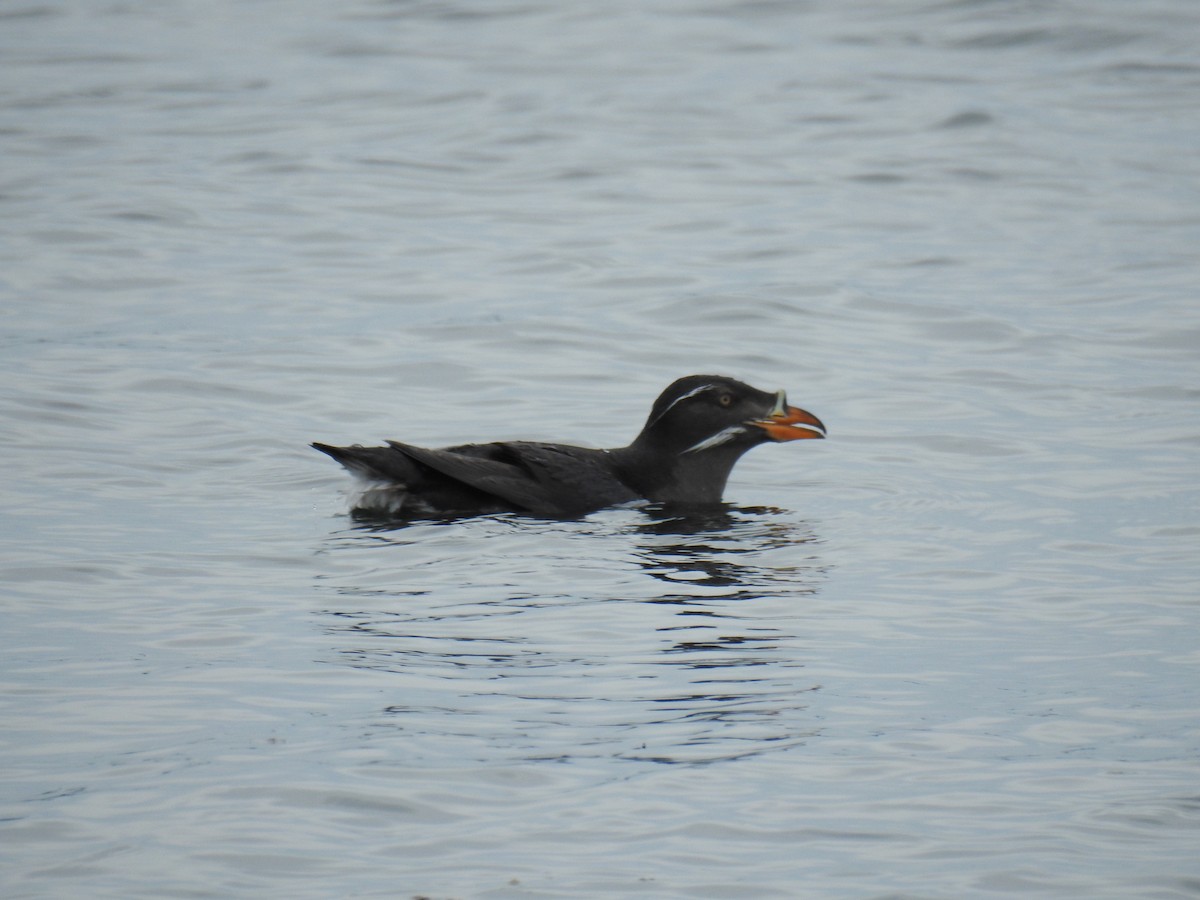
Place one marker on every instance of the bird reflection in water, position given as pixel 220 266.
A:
pixel 713 548
pixel 575 658
pixel 734 640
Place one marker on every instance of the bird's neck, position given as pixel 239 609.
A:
pixel 665 476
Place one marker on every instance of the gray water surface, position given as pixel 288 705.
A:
pixel 950 652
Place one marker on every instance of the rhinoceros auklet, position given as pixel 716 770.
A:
pixel 696 431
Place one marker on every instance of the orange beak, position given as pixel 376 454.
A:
pixel 789 423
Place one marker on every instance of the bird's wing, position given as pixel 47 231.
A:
pixel 511 483
pixel 582 479
pixel 548 479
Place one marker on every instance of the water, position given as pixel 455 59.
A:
pixel 949 652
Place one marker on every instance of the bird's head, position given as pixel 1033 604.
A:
pixel 703 414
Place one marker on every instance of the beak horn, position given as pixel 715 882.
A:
pixel 790 423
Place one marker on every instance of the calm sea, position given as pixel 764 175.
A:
pixel 953 651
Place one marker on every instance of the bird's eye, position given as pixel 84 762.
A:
pixel 725 399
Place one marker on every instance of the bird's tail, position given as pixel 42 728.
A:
pixel 372 463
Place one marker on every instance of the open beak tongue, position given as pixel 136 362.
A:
pixel 790 423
